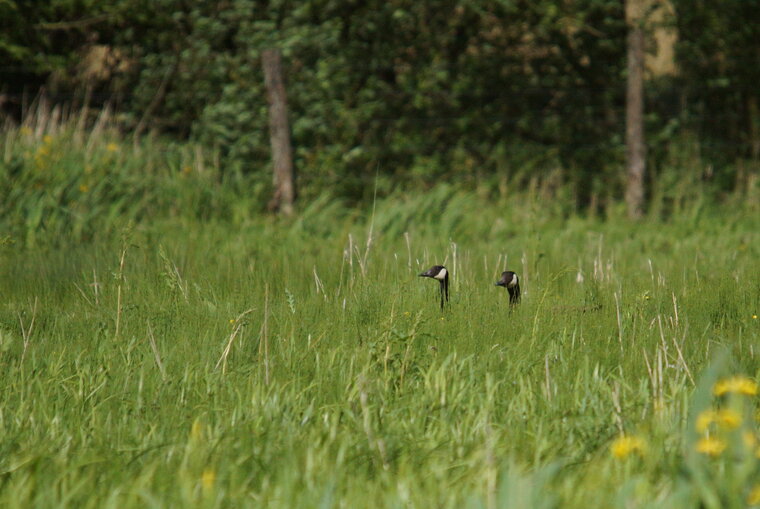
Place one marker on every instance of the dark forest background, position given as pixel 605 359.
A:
pixel 390 93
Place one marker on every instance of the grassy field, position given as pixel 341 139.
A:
pixel 238 360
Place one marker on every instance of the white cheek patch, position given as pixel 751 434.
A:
pixel 513 282
pixel 441 275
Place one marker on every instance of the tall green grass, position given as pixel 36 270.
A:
pixel 75 176
pixel 164 357
pixel 61 177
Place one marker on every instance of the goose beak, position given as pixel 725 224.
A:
pixel 498 283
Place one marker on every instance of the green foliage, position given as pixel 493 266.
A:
pixel 61 182
pixel 73 183
pixel 29 40
pixel 410 90
pixel 718 52
pixel 413 92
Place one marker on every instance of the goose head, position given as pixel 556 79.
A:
pixel 511 282
pixel 441 274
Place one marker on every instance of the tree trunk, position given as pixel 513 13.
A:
pixel 279 134
pixel 634 109
pixel 754 127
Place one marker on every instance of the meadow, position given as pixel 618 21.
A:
pixel 165 344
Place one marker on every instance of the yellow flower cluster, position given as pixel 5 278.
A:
pixel 726 419
pixel 735 385
pixel 713 423
pixel 754 495
pixel 712 446
pixel 43 154
pixel 208 477
pixel 625 445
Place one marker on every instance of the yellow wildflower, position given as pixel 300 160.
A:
pixel 83 188
pixel 25 131
pixel 186 170
pixel 47 139
pixel 407 313
pixel 196 430
pixel 736 384
pixel 112 147
pixel 749 439
pixel 711 446
pixel 208 477
pixel 625 445
pixel 754 495
pixel 754 317
pixel 728 419
pixel 705 419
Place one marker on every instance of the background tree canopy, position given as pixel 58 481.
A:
pixel 406 90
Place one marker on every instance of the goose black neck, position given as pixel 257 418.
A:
pixel 514 294
pixel 444 291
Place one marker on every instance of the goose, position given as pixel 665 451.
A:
pixel 440 273
pixel 511 282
